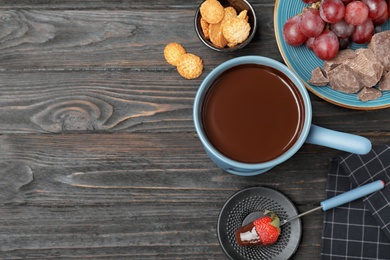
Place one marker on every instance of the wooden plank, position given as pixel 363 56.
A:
pixel 58 40
pixel 40 40
pixel 142 195
pixel 122 195
pixel 130 101
pixel 98 101
pixel 114 4
pixel 99 4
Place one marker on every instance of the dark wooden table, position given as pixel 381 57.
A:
pixel 99 158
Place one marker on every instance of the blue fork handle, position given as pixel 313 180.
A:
pixel 352 195
pixel 338 140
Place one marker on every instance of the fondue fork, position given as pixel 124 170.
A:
pixel 343 198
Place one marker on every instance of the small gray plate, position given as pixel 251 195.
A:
pixel 257 199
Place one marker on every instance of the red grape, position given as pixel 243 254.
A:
pixel 327 26
pixel 363 33
pixel 345 2
pixel 343 43
pixel 342 29
pixel 376 8
pixel 382 19
pixel 311 23
pixel 292 33
pixel 356 13
pixel 326 45
pixel 332 11
pixel 309 43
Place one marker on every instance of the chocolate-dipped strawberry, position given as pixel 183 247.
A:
pixel 263 231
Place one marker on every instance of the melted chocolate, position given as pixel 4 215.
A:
pixel 253 113
pixel 247 236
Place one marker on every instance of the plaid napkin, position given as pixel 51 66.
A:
pixel 360 229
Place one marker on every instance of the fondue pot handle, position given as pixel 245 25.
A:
pixel 338 140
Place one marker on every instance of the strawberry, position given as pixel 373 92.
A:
pixel 261 232
pixel 267 228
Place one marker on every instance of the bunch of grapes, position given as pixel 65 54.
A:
pixel 327 26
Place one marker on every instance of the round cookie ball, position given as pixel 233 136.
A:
pixel 172 53
pixel 212 11
pixel 190 66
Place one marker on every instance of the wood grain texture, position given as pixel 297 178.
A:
pixel 98 154
pixel 109 39
pixel 129 101
pixel 113 195
pixel 58 102
pixel 133 195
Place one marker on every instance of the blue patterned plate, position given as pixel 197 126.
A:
pixel 303 61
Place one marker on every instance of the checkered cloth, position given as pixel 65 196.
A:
pixel 360 229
